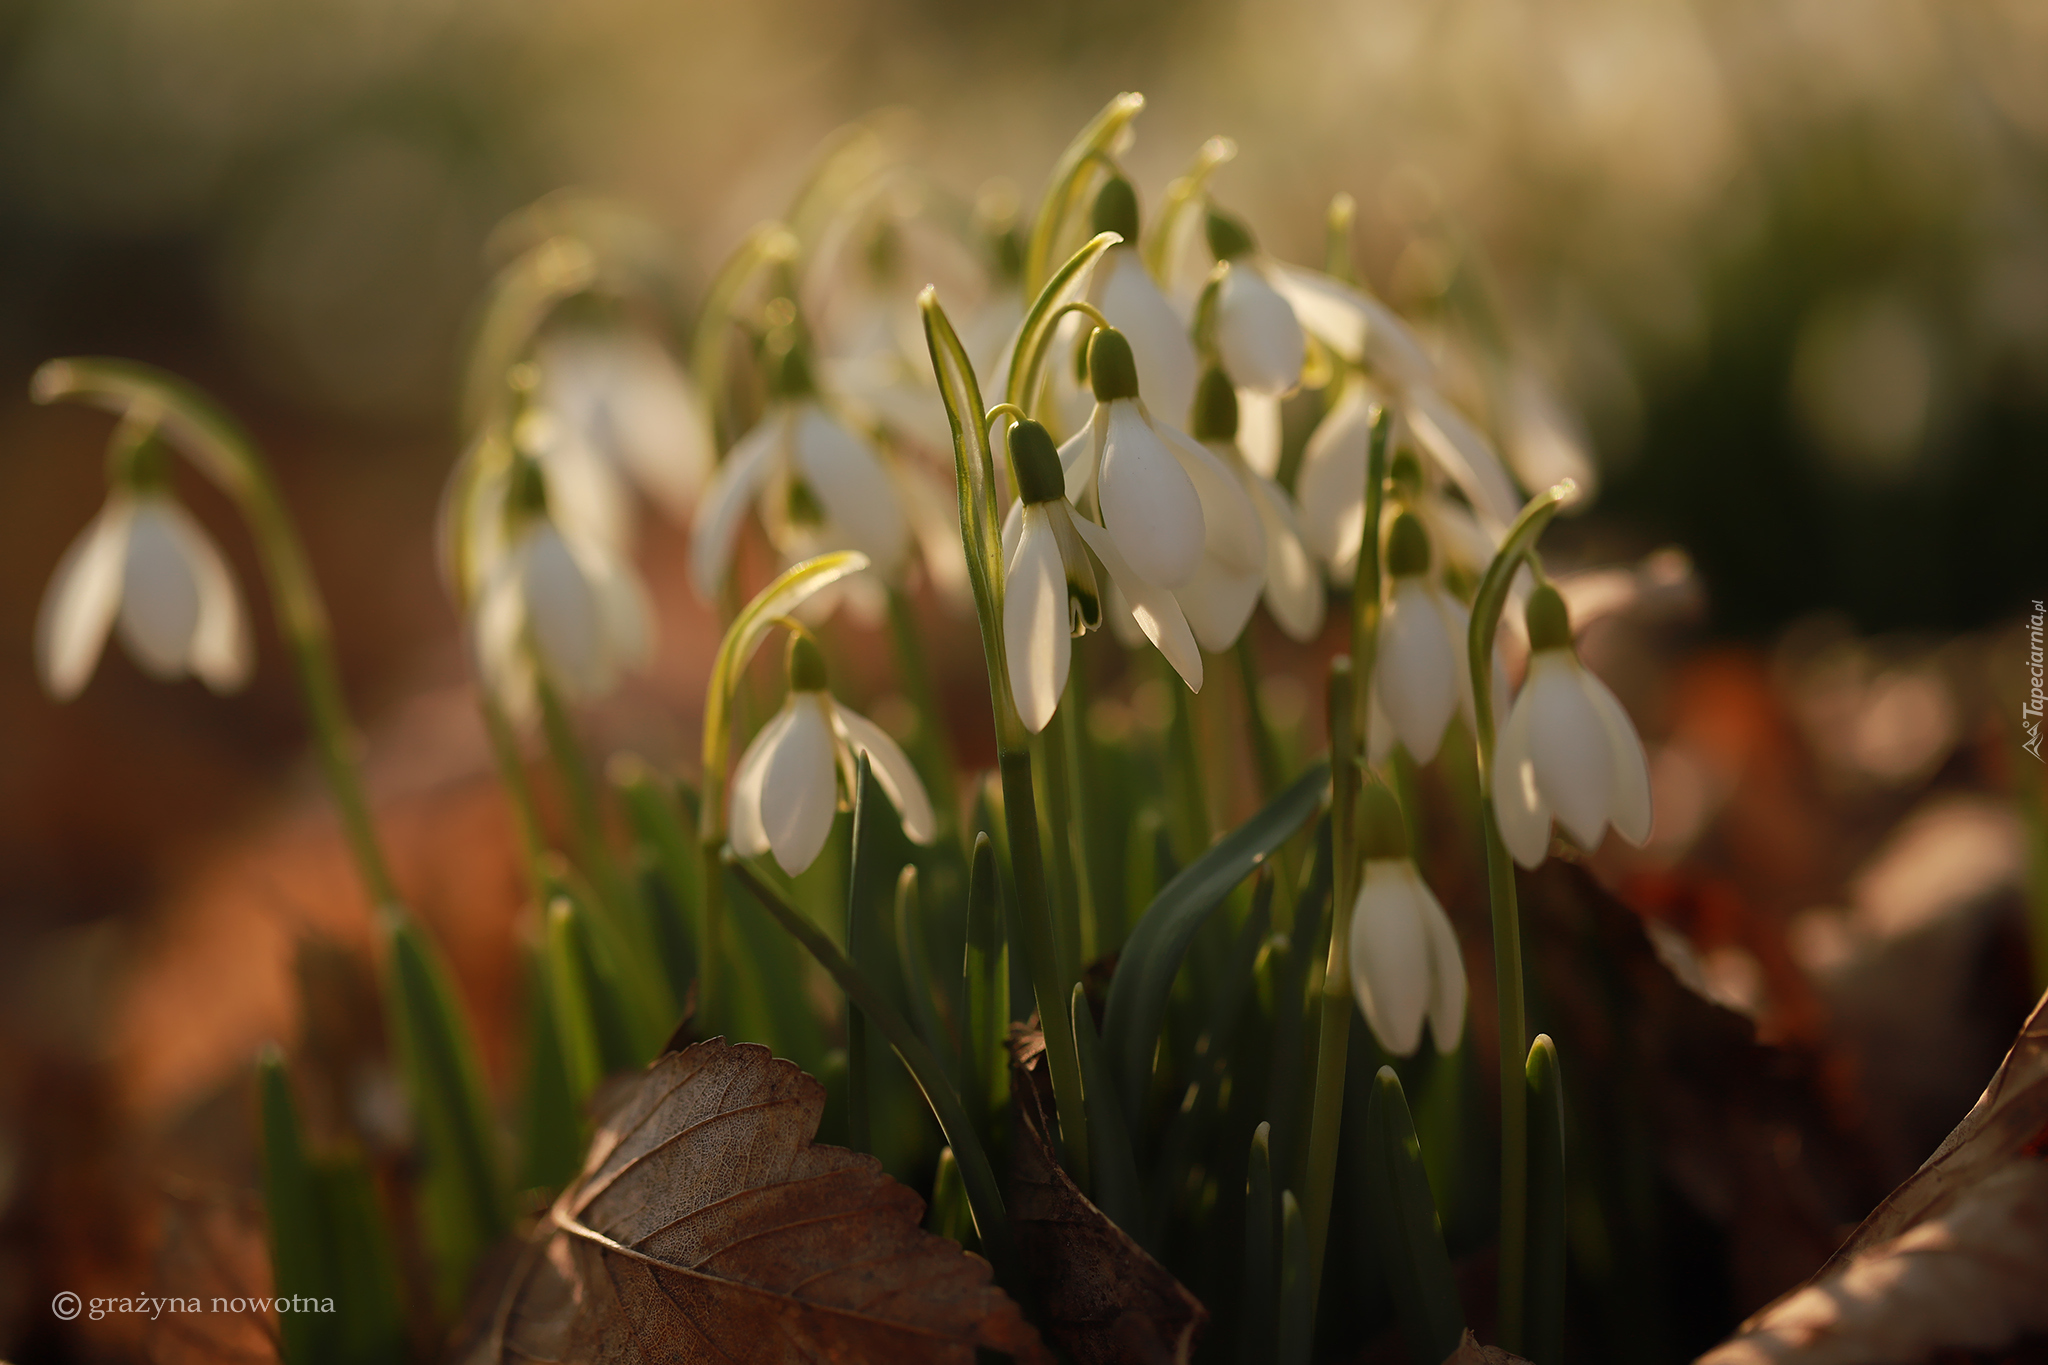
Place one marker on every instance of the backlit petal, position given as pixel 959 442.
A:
pixel 1417 675
pixel 563 616
pixel 1330 489
pixel 1518 805
pixel 1259 431
pixel 221 654
pixel 1036 636
pixel 1231 534
pixel 743 809
pixel 859 498
pixel 1149 503
pixel 1390 955
pixel 1167 365
pixel 1154 609
pixel 1569 746
pixel 1629 800
pixel 159 592
pixel 84 595
pixel 1464 453
pixel 800 786
pixel 1353 323
pixel 739 479
pixel 1260 341
pixel 893 769
pixel 1446 970
pixel 1294 584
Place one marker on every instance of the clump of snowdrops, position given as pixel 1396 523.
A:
pixel 1067 427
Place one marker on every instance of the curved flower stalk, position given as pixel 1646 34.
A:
pixel 620 395
pixel 1292 583
pixel 1172 511
pixel 555 602
pixel 817 483
pixel 144 570
pixel 799 770
pixel 1406 969
pixel 1567 749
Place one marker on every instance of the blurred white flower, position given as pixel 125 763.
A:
pixel 788 782
pixel 1126 294
pixel 1567 749
pixel 1405 965
pixel 1258 338
pixel 619 394
pixel 818 484
pixel 565 604
pixel 1292 581
pixel 145 569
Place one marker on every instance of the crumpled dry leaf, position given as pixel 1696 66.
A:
pixel 1106 1301
pixel 1470 1352
pixel 1954 1259
pixel 708 1226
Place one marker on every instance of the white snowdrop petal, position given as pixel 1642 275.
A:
pixel 1330 488
pixel 1417 668
pixel 1446 969
pixel 1629 800
pixel 1122 624
pixel 854 488
pixel 1081 457
pixel 1353 323
pixel 749 837
pixel 1568 745
pixel 1218 603
pixel 1294 585
pixel 626 614
pixel 800 785
pixel 1259 431
pixel 1518 805
pixel 1165 357
pixel 1036 636
pixel 716 525
pixel 1231 533
pixel 498 620
pixel 1390 955
pixel 893 769
pixel 1261 343
pixel 1149 503
pixel 563 615
pixel 1464 454
pixel 934 513
pixel 82 600
pixel 1154 609
pixel 221 654
pixel 159 592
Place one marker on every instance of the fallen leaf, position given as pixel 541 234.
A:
pixel 1470 1352
pixel 708 1226
pixel 1106 1302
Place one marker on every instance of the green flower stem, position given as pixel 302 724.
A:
pixel 936 764
pixel 1034 334
pixel 1350 692
pixel 512 774
pixel 1507 932
pixel 974 471
pixel 1053 753
pixel 1266 760
pixel 1189 808
pixel 580 789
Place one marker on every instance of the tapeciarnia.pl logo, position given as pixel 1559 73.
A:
pixel 2030 710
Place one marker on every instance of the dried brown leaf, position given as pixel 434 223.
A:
pixel 1470 1352
pixel 1106 1301
pixel 708 1226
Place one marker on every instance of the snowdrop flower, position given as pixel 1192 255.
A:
pixel 552 600
pixel 1567 749
pixel 1419 676
pixel 1292 583
pixel 143 569
pixel 1125 293
pixel 1052 592
pixel 1257 335
pixel 1405 965
pixel 620 395
pixel 819 486
pixel 788 782
pixel 1178 518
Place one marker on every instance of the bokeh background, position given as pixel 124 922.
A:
pixel 1788 258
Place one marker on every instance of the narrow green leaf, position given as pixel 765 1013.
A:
pixel 991 1221
pixel 291 1200
pixel 1070 177
pixel 1405 1225
pixel 917 973
pixel 873 871
pixel 1035 334
pixel 1291 1064
pixel 1543 1333
pixel 950 1215
pixel 1116 1189
pixel 569 1003
pixel 1261 1288
pixel 551 1137
pixel 1152 956
pixel 985 986
pixel 661 828
pixel 367 1318
pixel 463 1203
pixel 1297 1332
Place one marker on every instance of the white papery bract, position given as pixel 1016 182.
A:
pixel 787 786
pixel 144 569
pixel 621 395
pixel 1126 294
pixel 570 607
pixel 1568 750
pixel 1405 965
pixel 819 485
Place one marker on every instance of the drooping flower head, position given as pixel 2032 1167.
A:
pixel 617 394
pixel 1419 676
pixel 1125 293
pixel 1291 580
pixel 1567 750
pixel 144 570
pixel 1406 969
pixel 1257 336
pixel 790 780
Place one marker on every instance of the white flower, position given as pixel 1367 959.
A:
pixel 568 605
pixel 144 568
pixel 819 486
pixel 1291 580
pixel 1126 294
pixel 1405 964
pixel 1420 674
pixel 1567 749
pixel 621 395
pixel 1258 338
pixel 1051 591
pixel 787 785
